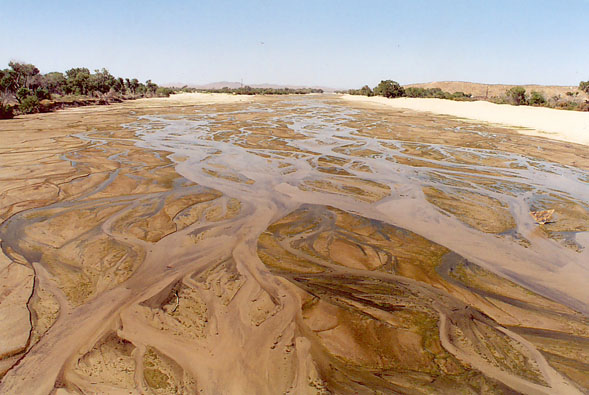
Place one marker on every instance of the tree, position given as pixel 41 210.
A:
pixel 119 86
pixel 151 87
pixel 517 95
pixel 133 85
pixel 584 86
pixel 102 81
pixel 366 91
pixel 55 82
pixel 24 73
pixel 78 80
pixel 23 93
pixel 29 105
pixel 537 99
pixel 389 88
pixel 7 84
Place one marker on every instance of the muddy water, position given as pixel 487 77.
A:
pixel 298 223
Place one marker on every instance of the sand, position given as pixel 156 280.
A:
pixel 570 126
pixel 198 98
pixel 287 245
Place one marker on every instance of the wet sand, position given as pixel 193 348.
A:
pixel 299 244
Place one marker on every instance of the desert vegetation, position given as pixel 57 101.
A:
pixel 25 90
pixel 516 95
pixel 391 89
pixel 248 90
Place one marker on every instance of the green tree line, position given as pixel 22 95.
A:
pixel 24 89
pixel 391 89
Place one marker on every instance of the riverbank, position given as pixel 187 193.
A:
pixel 570 126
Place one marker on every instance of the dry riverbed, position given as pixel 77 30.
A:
pixel 298 244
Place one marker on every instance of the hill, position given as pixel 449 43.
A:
pixel 478 90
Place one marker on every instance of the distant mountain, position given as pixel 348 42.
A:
pixel 233 85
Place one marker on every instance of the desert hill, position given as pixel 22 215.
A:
pixel 479 90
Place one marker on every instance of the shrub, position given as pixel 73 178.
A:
pixel 389 88
pixel 583 106
pixel 584 86
pixel 23 93
pixel 461 96
pixel 537 99
pixel 366 91
pixel 435 93
pixel 163 91
pixel 29 105
pixel 42 94
pixel 5 111
pixel 517 95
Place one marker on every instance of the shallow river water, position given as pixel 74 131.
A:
pixel 303 245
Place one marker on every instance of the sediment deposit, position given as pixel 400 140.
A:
pixel 300 244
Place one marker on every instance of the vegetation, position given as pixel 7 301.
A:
pixel 436 93
pixel 517 96
pixel 389 88
pixel 24 90
pixel 537 99
pixel 248 90
pixel 364 91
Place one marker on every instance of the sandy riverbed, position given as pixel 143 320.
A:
pixel 288 244
pixel 195 99
pixel 571 126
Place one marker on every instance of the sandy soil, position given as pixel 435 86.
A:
pixel 224 244
pixel 571 126
pixel 196 99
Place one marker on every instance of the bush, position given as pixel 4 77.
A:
pixel 42 94
pixel 29 105
pixel 537 99
pixel 366 91
pixel 437 93
pixel 584 86
pixel 163 91
pixel 389 88
pixel 5 111
pixel 583 106
pixel 461 96
pixel 517 95
pixel 23 93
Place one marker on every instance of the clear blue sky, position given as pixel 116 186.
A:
pixel 316 42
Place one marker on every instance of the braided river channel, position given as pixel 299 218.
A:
pixel 294 244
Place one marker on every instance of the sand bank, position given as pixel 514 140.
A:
pixel 571 126
pixel 198 98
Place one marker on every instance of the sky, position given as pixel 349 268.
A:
pixel 340 44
